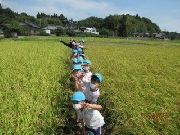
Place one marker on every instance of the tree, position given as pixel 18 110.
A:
pixel 104 31
pixel 59 32
pixel 13 27
pixel 63 19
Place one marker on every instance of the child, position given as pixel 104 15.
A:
pixel 78 97
pixel 82 56
pixel 80 51
pixel 92 118
pixel 87 73
pixel 81 45
pixel 80 60
pixel 74 54
pixel 70 44
pixel 75 61
pixel 78 75
pixel 92 89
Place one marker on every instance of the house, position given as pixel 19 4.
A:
pixel 30 28
pixel 50 29
pixel 87 30
pixel 159 35
pixel 91 30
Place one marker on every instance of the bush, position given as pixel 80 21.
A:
pixel 87 35
pixel 70 33
pixel 59 32
pixel 43 33
pixel 13 27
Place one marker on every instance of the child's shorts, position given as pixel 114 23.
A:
pixel 99 131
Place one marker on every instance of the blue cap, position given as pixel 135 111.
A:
pixel 79 50
pixel 99 76
pixel 75 61
pixel 82 40
pixel 74 51
pixel 78 96
pixel 80 60
pixel 87 61
pixel 81 54
pixel 77 67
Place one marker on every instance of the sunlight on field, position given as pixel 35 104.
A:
pixel 139 94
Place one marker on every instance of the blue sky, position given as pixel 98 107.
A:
pixel 165 13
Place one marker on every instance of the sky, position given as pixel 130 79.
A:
pixel 165 13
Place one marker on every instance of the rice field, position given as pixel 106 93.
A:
pixel 140 92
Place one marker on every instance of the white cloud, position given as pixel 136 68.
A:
pixel 77 10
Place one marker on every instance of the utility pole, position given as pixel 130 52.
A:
pixel 40 23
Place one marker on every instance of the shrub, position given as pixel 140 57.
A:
pixel 43 33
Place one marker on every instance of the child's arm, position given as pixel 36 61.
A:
pixel 94 106
pixel 75 82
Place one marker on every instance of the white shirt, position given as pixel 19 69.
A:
pixel 87 78
pixel 78 111
pixel 92 118
pixel 91 96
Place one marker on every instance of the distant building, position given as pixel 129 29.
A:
pixel 87 30
pixel 50 29
pixel 159 35
pixel 30 28
pixel 91 30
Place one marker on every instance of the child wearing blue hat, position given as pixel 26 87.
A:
pixel 77 98
pixel 92 91
pixel 77 74
pixel 87 73
pixel 82 56
pixel 80 51
pixel 75 61
pixel 80 60
pixel 74 54
pixel 81 44
pixel 89 114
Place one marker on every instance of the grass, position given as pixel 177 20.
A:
pixel 30 75
pixel 139 94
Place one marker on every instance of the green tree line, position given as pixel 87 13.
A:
pixel 112 25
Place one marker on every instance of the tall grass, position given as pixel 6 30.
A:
pixel 31 88
pixel 140 93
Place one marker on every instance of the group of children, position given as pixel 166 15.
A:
pixel 87 91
